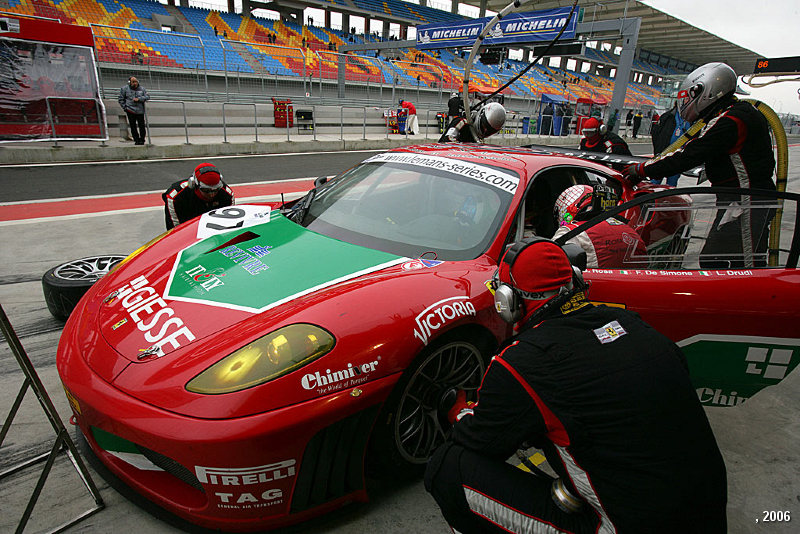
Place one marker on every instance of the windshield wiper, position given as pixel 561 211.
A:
pixel 299 210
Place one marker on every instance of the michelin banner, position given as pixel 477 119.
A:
pixel 515 28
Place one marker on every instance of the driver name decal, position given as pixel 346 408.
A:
pixel 437 315
pixel 494 177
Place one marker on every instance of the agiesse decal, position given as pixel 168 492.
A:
pixel 152 315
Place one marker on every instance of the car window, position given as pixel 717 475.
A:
pixel 537 210
pixel 702 228
pixel 410 209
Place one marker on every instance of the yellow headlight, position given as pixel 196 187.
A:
pixel 265 359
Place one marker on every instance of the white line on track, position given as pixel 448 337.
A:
pixel 161 160
pixel 136 193
pixel 245 200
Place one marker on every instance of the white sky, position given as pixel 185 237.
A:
pixel 769 28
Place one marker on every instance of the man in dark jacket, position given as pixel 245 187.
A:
pixel 597 138
pixel 547 120
pixel 455 107
pixel 736 149
pixel 608 400
pixel 637 123
pixel 202 192
pixel 131 99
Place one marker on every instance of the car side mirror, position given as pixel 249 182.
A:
pixel 576 255
pixel 320 181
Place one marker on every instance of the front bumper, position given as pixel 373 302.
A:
pixel 252 473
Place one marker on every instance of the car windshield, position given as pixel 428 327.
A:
pixel 413 205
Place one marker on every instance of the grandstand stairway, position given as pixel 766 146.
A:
pixel 247 55
pixel 187 26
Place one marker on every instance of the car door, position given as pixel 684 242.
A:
pixel 733 311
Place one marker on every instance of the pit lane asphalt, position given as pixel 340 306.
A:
pixel 758 439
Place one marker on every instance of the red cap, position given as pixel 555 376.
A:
pixel 591 127
pixel 208 176
pixel 541 267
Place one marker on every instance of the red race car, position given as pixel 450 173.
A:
pixel 242 370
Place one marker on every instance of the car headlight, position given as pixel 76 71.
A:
pixel 265 359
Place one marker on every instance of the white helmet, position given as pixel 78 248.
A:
pixel 490 119
pixel 571 201
pixel 703 87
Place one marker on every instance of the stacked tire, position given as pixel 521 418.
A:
pixel 65 284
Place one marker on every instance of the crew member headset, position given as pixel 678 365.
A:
pixel 508 299
pixel 194 180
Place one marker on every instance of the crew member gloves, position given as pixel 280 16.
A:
pixel 634 173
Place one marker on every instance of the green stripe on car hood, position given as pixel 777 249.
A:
pixel 266 265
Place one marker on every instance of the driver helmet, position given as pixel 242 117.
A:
pixel 572 201
pixel 207 178
pixel 401 102
pixel 592 127
pixel 703 87
pixel 453 95
pixel 490 119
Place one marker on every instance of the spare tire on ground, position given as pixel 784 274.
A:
pixel 65 284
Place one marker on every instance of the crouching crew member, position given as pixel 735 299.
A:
pixel 203 191
pixel 606 397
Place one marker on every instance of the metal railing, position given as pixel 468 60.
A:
pixel 255 119
pixel 341 120
pixel 185 123
pixel 51 119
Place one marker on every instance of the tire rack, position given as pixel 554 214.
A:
pixel 63 442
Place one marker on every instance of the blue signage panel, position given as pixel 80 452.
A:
pixel 515 28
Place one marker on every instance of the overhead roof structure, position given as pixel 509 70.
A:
pixel 660 32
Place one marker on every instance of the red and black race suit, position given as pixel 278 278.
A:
pixel 182 203
pixel 735 146
pixel 608 143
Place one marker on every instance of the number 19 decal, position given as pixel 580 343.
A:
pixel 232 218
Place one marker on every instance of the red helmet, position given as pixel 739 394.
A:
pixel 592 127
pixel 207 178
pixel 571 201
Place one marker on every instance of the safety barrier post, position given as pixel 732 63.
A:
pixel 185 123
pixel 52 122
pixel 255 117
pixel 63 441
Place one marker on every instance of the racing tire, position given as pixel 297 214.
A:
pixel 65 284
pixel 411 426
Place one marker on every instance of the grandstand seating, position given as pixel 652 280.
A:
pixel 228 41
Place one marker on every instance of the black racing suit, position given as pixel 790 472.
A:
pixel 182 203
pixel 736 148
pixel 458 131
pixel 609 401
pixel 608 143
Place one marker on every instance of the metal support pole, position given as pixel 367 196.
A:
pixel 62 441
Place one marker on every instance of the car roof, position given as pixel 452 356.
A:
pixel 526 162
